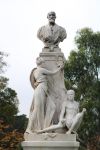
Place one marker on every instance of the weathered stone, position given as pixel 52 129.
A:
pixel 52 34
pixel 51 142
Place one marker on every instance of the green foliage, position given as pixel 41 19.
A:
pixel 20 123
pixel 89 42
pixel 8 96
pixel 8 100
pixel 83 70
pixel 12 126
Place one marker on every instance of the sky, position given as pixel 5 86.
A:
pixel 19 23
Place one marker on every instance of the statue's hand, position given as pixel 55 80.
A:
pixel 36 84
pixel 62 66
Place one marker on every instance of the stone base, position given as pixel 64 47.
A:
pixel 53 49
pixel 48 141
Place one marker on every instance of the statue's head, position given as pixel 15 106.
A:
pixel 51 17
pixel 39 61
pixel 70 94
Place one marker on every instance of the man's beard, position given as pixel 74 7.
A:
pixel 52 21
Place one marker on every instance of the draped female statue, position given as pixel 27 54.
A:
pixel 38 108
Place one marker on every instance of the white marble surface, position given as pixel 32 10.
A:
pixel 52 34
pixel 59 142
pixel 49 137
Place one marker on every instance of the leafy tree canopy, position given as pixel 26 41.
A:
pixel 8 96
pixel 12 126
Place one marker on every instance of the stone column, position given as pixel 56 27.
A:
pixel 57 90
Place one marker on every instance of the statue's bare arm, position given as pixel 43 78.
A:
pixel 47 72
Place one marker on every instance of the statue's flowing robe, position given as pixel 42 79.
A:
pixel 42 106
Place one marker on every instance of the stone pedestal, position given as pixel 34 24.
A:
pixel 50 141
pixel 56 87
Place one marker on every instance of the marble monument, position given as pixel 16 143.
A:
pixel 54 114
